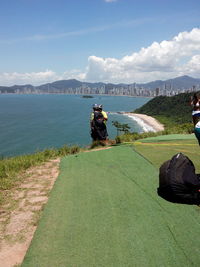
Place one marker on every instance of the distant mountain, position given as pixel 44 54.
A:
pixel 59 85
pixel 183 82
pixel 4 89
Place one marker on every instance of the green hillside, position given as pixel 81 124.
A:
pixel 176 109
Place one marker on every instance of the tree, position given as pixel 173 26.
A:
pixel 121 127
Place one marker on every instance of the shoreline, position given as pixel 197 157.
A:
pixel 45 93
pixel 149 124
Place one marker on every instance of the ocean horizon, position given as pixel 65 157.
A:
pixel 31 123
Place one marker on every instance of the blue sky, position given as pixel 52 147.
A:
pixel 97 40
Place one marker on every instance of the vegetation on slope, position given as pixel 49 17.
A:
pixel 173 110
pixel 11 169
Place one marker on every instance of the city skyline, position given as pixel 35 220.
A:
pixel 184 84
pixel 117 41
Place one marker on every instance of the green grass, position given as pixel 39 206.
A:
pixel 182 129
pixel 162 148
pixel 172 137
pixel 11 169
pixel 104 211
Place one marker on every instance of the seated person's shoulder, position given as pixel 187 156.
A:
pixel 104 114
pixel 92 116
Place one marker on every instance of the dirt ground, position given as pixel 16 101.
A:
pixel 19 216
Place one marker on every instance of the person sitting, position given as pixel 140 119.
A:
pixel 195 103
pixel 98 121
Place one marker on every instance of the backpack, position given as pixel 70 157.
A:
pixel 98 119
pixel 178 182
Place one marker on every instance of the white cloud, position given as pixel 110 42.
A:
pixel 109 1
pixel 164 60
pixel 34 78
pixel 38 78
pixel 192 67
pixel 73 74
pixel 158 61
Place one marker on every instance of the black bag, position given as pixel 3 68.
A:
pixel 98 119
pixel 178 182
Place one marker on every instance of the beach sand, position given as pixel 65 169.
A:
pixel 148 120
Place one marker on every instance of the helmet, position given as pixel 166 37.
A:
pixel 95 106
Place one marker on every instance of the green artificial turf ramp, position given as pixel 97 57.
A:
pixel 170 137
pixel 104 211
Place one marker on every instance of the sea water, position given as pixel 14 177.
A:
pixel 31 123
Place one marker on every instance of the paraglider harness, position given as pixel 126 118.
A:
pixel 178 182
pixel 98 126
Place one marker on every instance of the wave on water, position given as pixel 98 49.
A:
pixel 115 113
pixel 146 127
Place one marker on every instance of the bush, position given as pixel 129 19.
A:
pixel 185 128
pixel 74 149
pixel 118 139
pixel 97 143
